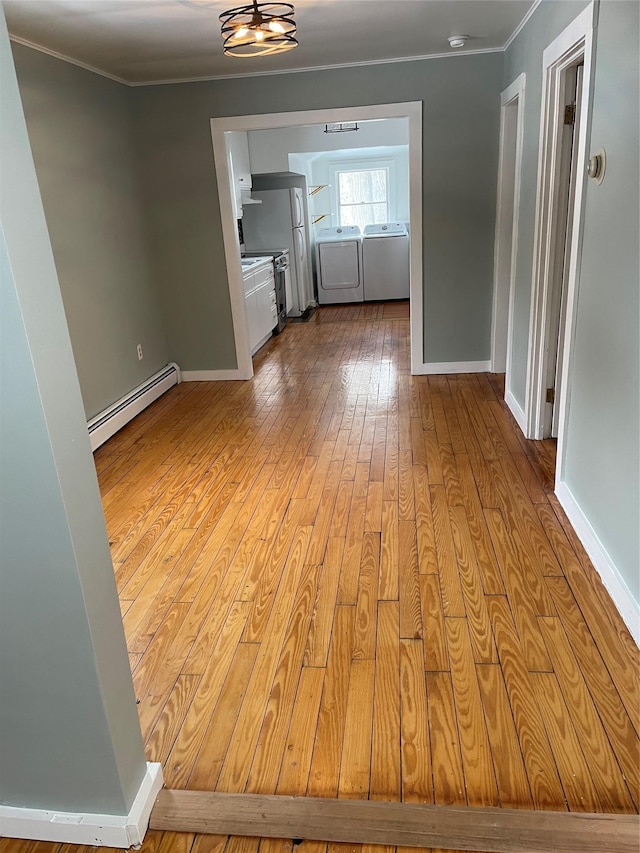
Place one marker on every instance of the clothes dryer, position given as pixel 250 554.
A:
pixel 339 265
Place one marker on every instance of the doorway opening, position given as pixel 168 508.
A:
pixel 558 230
pixel 506 243
pixel 566 200
pixel 412 111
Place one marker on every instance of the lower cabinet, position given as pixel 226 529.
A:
pixel 260 303
pixel 267 310
pixel 252 318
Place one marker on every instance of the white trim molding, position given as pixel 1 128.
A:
pixel 411 110
pixel 416 284
pixel 211 375
pixel 391 61
pixel 516 410
pixel 436 367
pixel 522 24
pixel 602 562
pixel 572 45
pixel 507 225
pixel 95 830
pixel 63 56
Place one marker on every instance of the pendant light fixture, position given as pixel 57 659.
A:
pixel 341 127
pixel 258 29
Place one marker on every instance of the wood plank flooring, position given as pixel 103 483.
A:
pixel 341 580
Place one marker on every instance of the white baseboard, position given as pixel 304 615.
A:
pixel 96 830
pixel 516 410
pixel 114 417
pixel 628 608
pixel 212 375
pixel 437 367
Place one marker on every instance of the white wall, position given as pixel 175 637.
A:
pixel 268 149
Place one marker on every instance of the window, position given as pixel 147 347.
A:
pixel 363 197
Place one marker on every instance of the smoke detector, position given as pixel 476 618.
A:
pixel 458 41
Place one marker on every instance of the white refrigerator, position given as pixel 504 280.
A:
pixel 279 223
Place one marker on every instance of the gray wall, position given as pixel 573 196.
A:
pixel 69 733
pixel 602 467
pixel 461 118
pixel 80 130
pixel 525 54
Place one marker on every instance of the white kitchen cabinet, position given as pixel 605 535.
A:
pixel 266 306
pixel 250 301
pixel 240 165
pixel 260 304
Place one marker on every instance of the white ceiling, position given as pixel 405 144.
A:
pixel 139 41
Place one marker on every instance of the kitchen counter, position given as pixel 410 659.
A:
pixel 251 265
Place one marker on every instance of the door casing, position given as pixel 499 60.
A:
pixel 411 110
pixel 573 45
pixel 506 240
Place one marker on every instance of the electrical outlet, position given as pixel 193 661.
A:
pixel 139 349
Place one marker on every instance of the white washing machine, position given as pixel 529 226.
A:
pixel 339 265
pixel 385 261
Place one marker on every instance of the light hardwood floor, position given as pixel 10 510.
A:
pixel 341 580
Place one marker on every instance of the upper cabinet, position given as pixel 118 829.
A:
pixel 240 168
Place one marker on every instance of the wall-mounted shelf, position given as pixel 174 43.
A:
pixel 319 217
pixel 315 188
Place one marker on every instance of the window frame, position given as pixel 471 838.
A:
pixel 366 164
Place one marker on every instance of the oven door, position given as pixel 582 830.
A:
pixel 281 300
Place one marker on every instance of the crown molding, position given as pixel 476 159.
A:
pixel 304 70
pixel 521 25
pixel 205 79
pixel 34 46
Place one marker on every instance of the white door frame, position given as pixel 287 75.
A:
pixel 506 240
pixel 559 290
pixel 572 45
pixel 411 110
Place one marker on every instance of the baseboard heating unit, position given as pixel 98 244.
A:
pixel 108 422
